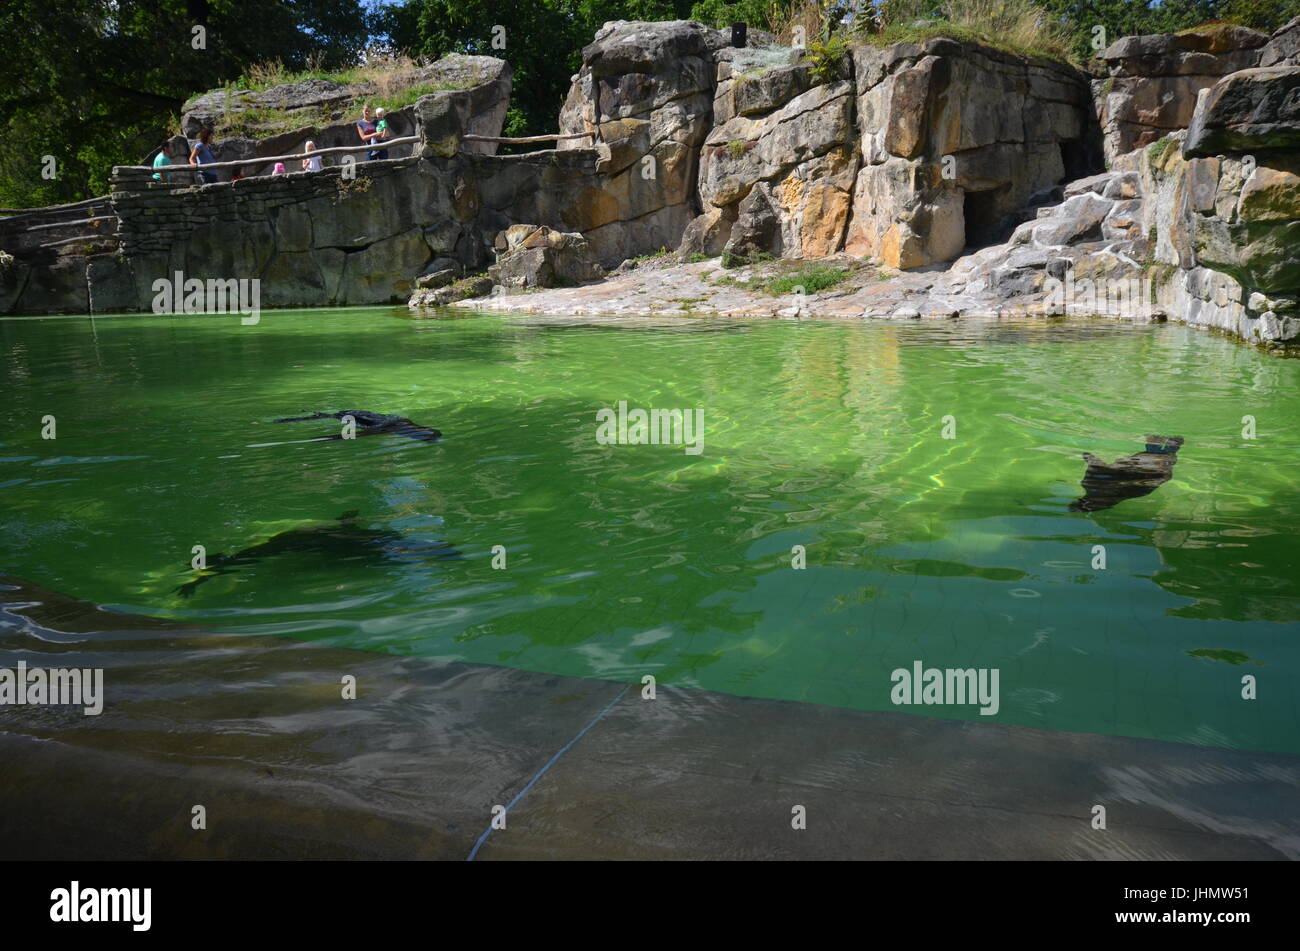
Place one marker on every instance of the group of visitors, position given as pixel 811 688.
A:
pixel 372 128
pixel 174 150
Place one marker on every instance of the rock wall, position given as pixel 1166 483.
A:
pixel 1151 82
pixel 645 95
pixel 1224 207
pixel 1283 47
pixel 955 140
pixel 779 164
pixel 316 239
pixel 908 154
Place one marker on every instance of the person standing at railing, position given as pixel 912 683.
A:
pixel 312 163
pixel 162 160
pixel 366 129
pixel 202 155
pixel 173 152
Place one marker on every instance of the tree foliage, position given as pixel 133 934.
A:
pixel 98 83
pixel 1120 18
pixel 95 83
pixel 543 41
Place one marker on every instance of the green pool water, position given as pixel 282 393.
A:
pixel 627 560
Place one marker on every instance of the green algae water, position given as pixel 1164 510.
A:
pixel 521 540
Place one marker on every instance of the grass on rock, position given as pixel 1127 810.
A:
pixel 1014 26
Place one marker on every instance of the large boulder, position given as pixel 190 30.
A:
pixel 305 102
pixel 1250 110
pixel 757 230
pixel 631 46
pixel 473 100
pixel 709 233
pixel 322 102
pixel 1079 219
pixel 533 256
pixel 1283 48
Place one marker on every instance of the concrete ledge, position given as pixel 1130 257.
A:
pixel 255 730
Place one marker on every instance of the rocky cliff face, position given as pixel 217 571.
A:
pixel 907 154
pixel 645 96
pixel 912 155
pixel 777 169
pixel 1225 207
pixel 1206 219
pixel 1151 82
pixel 955 139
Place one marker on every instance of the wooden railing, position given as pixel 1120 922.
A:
pixel 524 140
pixel 268 159
pixel 53 209
pixel 82 222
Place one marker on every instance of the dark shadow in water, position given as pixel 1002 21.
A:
pixel 371 424
pixel 334 542
pixel 1106 484
pixel 1236 658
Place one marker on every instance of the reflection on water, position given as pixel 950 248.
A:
pixel 619 561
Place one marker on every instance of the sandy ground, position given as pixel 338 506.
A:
pixel 255 730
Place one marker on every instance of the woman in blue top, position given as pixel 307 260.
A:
pixel 366 129
pixel 202 155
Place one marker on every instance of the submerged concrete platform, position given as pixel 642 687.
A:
pixel 256 731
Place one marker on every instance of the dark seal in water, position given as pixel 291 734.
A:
pixel 368 424
pixel 1106 484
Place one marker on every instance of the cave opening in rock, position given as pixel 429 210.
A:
pixel 985 222
pixel 1074 159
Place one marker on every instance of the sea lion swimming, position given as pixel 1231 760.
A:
pixel 342 540
pixel 1107 484
pixel 368 424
